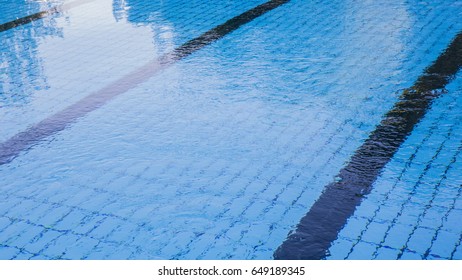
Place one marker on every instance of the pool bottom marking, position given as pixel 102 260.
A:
pixel 30 18
pixel 25 140
pixel 329 214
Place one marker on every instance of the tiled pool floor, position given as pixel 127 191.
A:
pixel 114 147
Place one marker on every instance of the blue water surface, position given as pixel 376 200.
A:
pixel 221 154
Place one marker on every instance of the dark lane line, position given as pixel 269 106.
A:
pixel 329 214
pixel 22 141
pixel 28 19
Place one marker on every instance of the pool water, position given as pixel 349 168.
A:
pixel 220 154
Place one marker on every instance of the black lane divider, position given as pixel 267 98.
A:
pixel 28 19
pixel 22 141
pixel 328 215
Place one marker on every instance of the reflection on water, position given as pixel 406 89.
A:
pixel 153 15
pixel 53 62
pixel 137 11
pixel 21 68
pixel 218 156
pixel 14 9
pixel 119 9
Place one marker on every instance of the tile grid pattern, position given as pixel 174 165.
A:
pixel 246 206
pixel 411 213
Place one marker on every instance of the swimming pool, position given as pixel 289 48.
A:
pixel 126 134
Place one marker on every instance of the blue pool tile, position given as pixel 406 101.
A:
pixel 108 250
pixel 238 230
pixel 387 212
pixel 433 217
pixel 457 254
pixel 23 256
pixel 195 249
pixel 421 240
pixel 177 243
pixel 444 244
pixel 353 228
pixel 41 210
pixel 12 231
pixel 368 208
pixel 8 252
pixel 256 234
pixel 42 241
pixel 386 253
pixel 256 209
pixel 445 196
pixel 39 257
pixel 80 196
pixel 451 222
pixel 120 209
pixel 28 233
pixel 458 204
pixel 238 206
pixel 6 205
pixel 71 220
pixel 50 192
pixel 95 202
pixel 395 195
pixel 143 212
pixel 409 214
pixel 424 195
pixel 79 249
pixel 238 253
pixel 397 236
pixel 412 174
pixel 362 251
pixel 119 184
pixel 88 223
pixel 375 232
pixel 261 253
pixel 4 223
pixel 274 212
pixel 21 209
pixel 218 250
pixel 145 239
pixel 434 257
pixel 340 249
pixel 105 228
pixel 53 216
pixel 123 232
pixel 121 252
pixel 56 249
pixel 408 255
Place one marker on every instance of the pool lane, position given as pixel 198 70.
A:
pixel 220 155
pixel 321 225
pixel 71 55
pixel 414 206
pixel 59 121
